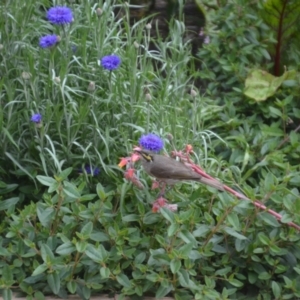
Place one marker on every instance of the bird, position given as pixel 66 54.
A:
pixel 170 171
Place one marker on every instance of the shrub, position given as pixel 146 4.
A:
pixel 72 224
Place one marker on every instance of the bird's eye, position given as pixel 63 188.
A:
pixel 147 157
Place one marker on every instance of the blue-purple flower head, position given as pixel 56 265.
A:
pixel 151 142
pixel 90 170
pixel 48 41
pixel 110 62
pixel 36 118
pixel 60 15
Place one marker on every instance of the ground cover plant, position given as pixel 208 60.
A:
pixel 80 88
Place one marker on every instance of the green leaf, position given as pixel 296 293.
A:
pixel 65 173
pixel 71 190
pixel 288 282
pixel 160 239
pixel 48 181
pixel 99 236
pixel 223 271
pixel 236 282
pixel 186 249
pixel 173 228
pixel 269 219
pixel 123 280
pixel 130 218
pixel 151 218
pixel 275 111
pixel 54 282
pixel 101 192
pixel 263 238
pixel 81 246
pixel 232 232
pixel 7 294
pixel 163 291
pixel 186 236
pixel 39 296
pixel 184 278
pixel 260 85
pixel 87 197
pixel 45 216
pixel 167 214
pixel 72 286
pixel 87 230
pixel 47 254
pixel 276 289
pixel 7 275
pixel 252 277
pixel 6 132
pixel 286 218
pixel 234 220
pixel 265 53
pixel 264 276
pixel 40 269
pixel 175 265
pixel 294 138
pixel 19 166
pixel 201 230
pixel 8 188
pixel 8 203
pixel 94 253
pixel 140 258
pixel 104 272
pixel 86 291
pixel 65 249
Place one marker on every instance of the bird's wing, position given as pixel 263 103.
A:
pixel 171 168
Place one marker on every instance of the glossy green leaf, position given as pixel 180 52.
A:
pixel 72 285
pixel 40 269
pixel 175 265
pixel 45 180
pixel 8 203
pixel 233 233
pixel 54 282
pixel 123 280
pixel 7 294
pixel 65 249
pixel 276 289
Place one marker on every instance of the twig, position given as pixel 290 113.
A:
pixel 286 138
pixel 256 203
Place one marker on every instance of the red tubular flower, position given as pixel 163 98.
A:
pixel 188 148
pixel 129 174
pixel 123 162
pixel 158 203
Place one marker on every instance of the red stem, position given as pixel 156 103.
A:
pixel 256 203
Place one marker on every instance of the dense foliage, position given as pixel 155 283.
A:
pixel 79 87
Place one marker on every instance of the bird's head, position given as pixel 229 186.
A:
pixel 146 155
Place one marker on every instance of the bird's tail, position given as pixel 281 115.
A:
pixel 213 183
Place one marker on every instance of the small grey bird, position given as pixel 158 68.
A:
pixel 171 171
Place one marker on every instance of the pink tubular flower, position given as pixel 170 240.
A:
pixel 163 202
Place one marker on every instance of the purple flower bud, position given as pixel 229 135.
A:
pixel 151 142
pixel 110 62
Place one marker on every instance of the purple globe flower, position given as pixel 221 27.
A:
pixel 60 15
pixel 36 118
pixel 151 142
pixel 48 41
pixel 110 62
pixel 90 170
